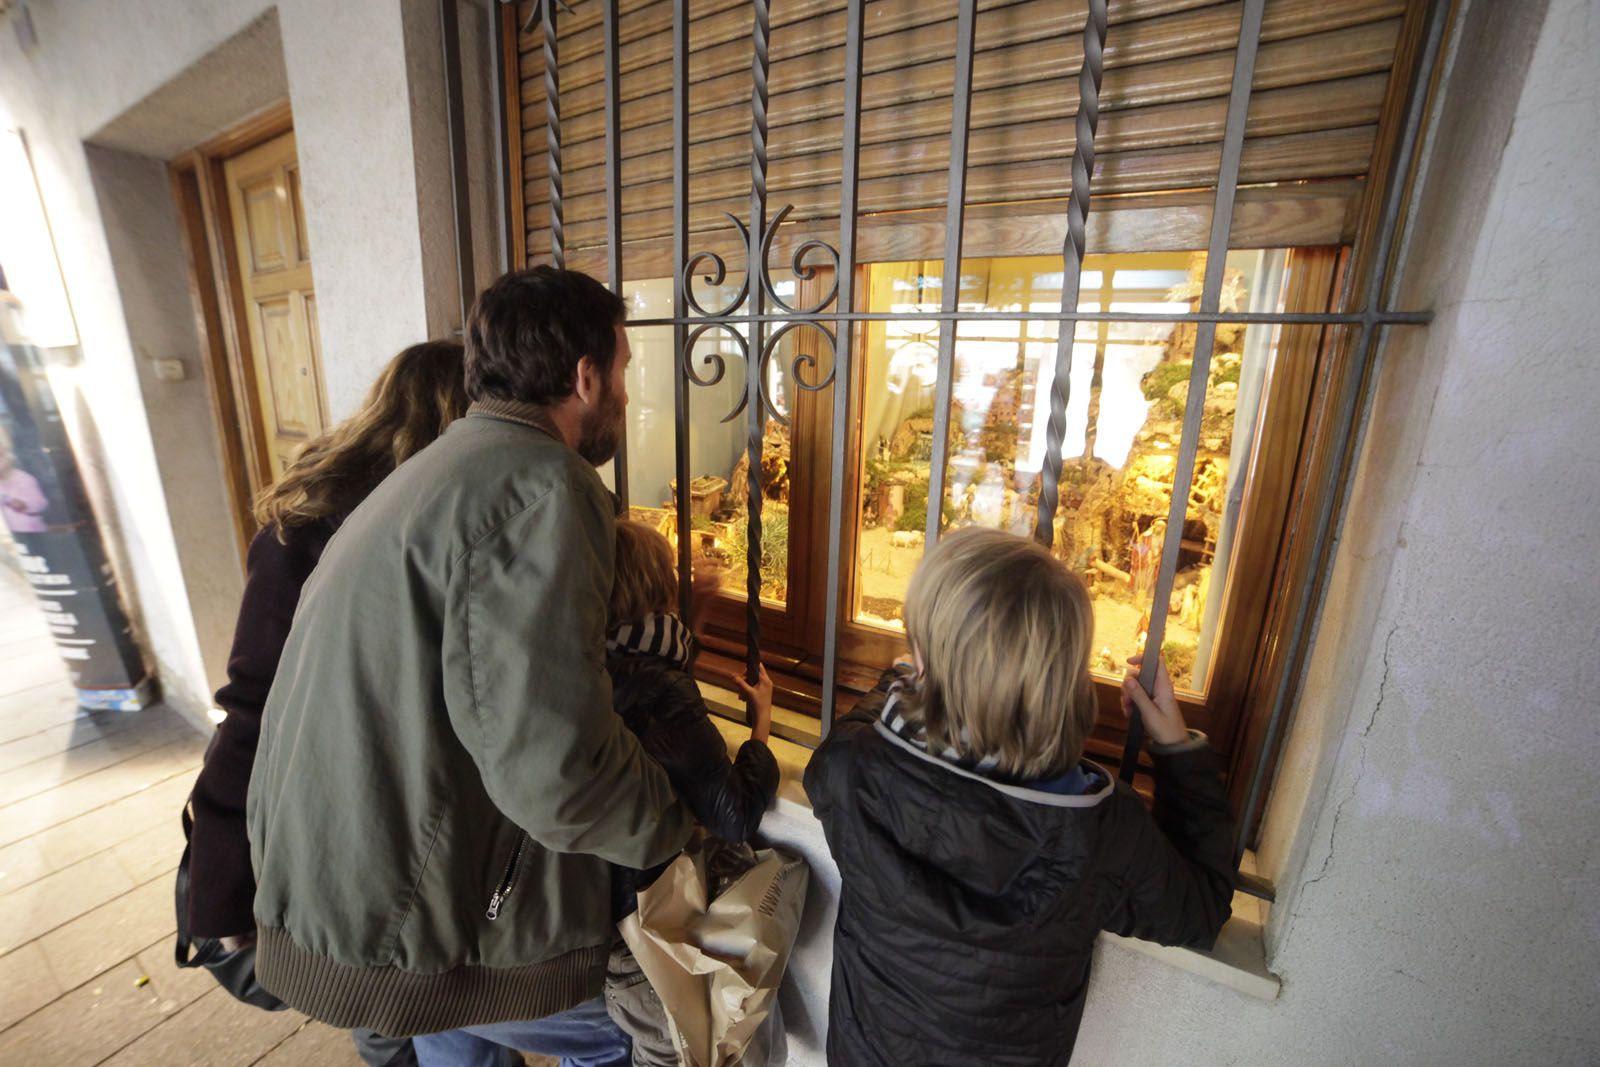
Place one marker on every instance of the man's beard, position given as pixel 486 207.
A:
pixel 601 429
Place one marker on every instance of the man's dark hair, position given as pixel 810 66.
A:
pixel 529 329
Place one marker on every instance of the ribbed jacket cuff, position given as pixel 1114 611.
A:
pixel 400 1003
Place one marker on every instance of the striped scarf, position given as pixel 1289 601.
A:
pixel 654 635
pixel 914 733
pixel 1076 781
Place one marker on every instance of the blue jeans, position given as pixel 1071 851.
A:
pixel 583 1036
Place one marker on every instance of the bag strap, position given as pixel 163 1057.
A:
pixel 185 942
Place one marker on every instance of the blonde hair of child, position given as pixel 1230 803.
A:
pixel 1003 630
pixel 646 581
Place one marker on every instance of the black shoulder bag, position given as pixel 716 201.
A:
pixel 234 971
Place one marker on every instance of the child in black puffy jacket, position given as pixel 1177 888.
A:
pixel 649 653
pixel 980 855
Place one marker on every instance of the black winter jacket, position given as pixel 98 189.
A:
pixel 222 886
pixel 662 705
pixel 969 909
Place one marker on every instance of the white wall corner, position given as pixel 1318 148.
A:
pixel 430 139
pixel 1342 692
pixel 350 93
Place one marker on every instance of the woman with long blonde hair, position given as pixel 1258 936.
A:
pixel 417 396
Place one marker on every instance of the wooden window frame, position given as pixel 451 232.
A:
pixel 1311 275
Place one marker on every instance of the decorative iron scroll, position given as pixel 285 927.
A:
pixel 715 360
pixel 712 270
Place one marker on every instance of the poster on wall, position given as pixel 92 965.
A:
pixel 45 508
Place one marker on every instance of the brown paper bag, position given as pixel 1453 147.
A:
pixel 717 964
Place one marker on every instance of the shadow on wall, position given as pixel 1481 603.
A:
pixel 142 236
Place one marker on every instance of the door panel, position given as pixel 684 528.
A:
pixel 274 263
pixel 288 369
pixel 264 238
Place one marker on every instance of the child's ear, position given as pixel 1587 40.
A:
pixel 916 661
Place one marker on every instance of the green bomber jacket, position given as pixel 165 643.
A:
pixel 441 780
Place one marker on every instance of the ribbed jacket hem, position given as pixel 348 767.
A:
pixel 399 1003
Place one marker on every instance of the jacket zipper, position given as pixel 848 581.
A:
pixel 507 881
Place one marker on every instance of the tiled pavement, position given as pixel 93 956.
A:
pixel 89 840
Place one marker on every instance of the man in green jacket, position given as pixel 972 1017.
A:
pixel 441 780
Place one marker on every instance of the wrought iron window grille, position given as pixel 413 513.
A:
pixel 757 317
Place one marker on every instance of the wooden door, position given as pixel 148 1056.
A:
pixel 278 305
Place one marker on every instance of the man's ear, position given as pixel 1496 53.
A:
pixel 587 381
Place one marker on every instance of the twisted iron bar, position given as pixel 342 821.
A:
pixel 552 128
pixel 759 39
pixel 760 61
pixel 1089 76
pixel 537 14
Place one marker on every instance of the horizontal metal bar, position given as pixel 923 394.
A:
pixel 1253 885
pixel 1267 318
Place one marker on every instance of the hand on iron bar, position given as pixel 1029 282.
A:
pixel 758 699
pixel 1163 719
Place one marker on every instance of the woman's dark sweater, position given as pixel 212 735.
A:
pixel 222 885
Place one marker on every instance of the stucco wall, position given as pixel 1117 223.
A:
pixel 152 79
pixel 1436 824
pixel 1437 906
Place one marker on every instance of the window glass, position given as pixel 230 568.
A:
pixel 718 434
pixel 1128 386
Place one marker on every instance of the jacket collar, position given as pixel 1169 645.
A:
pixel 535 417
pixel 1016 792
pixel 516 411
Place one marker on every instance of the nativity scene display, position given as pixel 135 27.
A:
pixel 1129 388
